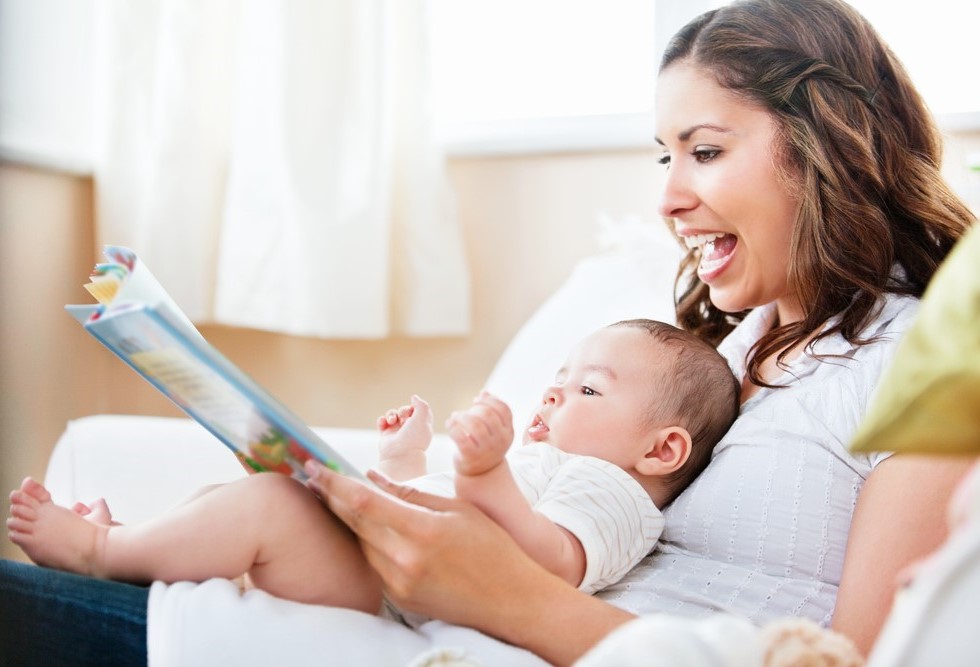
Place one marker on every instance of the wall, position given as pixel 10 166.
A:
pixel 47 372
pixel 526 221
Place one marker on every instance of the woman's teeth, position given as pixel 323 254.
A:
pixel 700 240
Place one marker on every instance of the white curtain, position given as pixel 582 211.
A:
pixel 273 162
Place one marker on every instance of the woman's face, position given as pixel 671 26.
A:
pixel 724 190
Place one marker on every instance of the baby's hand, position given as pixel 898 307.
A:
pixel 483 433
pixel 406 430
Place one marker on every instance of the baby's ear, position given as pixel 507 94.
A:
pixel 669 449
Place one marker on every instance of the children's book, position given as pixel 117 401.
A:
pixel 143 326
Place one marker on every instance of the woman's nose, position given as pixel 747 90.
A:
pixel 678 195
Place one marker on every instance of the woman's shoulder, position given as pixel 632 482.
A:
pixel 895 315
pixel 891 318
pixel 846 374
pixel 858 363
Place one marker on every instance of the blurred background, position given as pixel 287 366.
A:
pixel 356 200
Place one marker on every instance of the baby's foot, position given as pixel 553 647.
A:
pixel 51 535
pixel 405 436
pixel 406 430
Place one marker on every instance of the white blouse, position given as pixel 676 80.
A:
pixel 762 532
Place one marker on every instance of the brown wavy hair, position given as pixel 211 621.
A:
pixel 855 141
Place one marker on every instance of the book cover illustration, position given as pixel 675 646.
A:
pixel 138 321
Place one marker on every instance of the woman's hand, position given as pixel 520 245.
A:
pixel 444 558
pixel 436 555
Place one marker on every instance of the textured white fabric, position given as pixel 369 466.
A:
pixel 762 532
pixel 599 503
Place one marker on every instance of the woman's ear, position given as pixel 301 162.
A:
pixel 670 448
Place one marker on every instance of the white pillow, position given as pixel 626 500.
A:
pixel 631 277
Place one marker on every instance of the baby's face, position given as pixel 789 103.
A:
pixel 601 400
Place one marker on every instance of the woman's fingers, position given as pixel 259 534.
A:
pixel 396 525
pixel 370 512
pixel 435 555
pixel 410 494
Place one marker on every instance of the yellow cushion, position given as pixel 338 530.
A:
pixel 928 400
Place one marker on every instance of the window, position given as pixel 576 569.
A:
pixel 937 43
pixel 531 75
pixel 45 83
pixel 511 59
pixel 541 75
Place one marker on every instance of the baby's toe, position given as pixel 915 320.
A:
pixel 17 529
pixel 35 489
pixel 23 511
pixel 19 499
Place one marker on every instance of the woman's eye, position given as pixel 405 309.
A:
pixel 706 154
pixel 664 159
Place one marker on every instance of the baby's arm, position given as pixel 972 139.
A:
pixel 483 433
pixel 405 436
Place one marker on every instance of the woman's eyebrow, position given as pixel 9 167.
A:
pixel 689 132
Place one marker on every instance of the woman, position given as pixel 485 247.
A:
pixel 804 178
pixel 803 173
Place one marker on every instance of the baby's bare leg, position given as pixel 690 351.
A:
pixel 266 525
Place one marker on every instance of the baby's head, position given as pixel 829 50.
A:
pixel 645 395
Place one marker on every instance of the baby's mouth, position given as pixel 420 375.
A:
pixel 538 429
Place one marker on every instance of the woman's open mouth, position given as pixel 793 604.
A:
pixel 717 249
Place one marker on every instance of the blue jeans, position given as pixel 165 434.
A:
pixel 49 617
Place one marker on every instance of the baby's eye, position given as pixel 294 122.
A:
pixel 589 391
pixel 705 154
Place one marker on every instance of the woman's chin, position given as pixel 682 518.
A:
pixel 725 301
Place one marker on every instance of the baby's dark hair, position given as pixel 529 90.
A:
pixel 703 396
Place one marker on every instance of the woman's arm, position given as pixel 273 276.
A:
pixel 900 517
pixel 444 558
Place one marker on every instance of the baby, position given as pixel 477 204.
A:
pixel 630 421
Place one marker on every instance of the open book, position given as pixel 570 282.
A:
pixel 140 323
